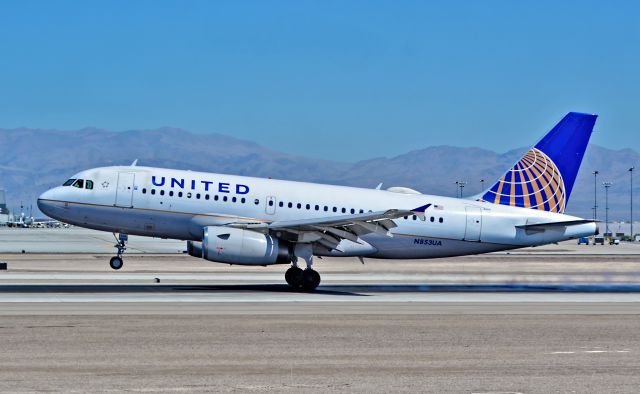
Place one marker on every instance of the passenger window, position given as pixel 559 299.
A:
pixel 198 196
pixel 215 198
pixel 79 183
pixel 224 198
pixel 243 200
pixel 270 203
pixel 415 217
pixel 326 208
pixel 299 205
pixel 290 205
pixel 362 211
pixel 335 209
pixel 206 196
pixel 162 192
pixel 344 210
pixel 189 195
pixel 308 206
pixel 69 182
pixel 281 204
pixel 353 211
pixel 234 199
pixel 256 201
pixel 432 219
pixel 441 220
pixel 317 207
pixel 153 191
pixel 89 185
pixel 179 194
pixel 144 190
pixel 170 193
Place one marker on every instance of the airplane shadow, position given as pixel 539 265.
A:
pixel 336 290
pixel 163 288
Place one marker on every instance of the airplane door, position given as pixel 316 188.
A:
pixel 474 224
pixel 271 205
pixel 124 192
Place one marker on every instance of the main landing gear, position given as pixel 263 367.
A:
pixel 298 278
pixel 116 261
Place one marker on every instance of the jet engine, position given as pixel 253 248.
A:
pixel 238 246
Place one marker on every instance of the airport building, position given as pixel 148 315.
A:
pixel 4 212
pixel 620 229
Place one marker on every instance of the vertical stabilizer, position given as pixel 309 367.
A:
pixel 544 177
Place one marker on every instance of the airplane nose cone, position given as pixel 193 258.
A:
pixel 45 204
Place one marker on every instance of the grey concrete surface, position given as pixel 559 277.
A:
pixel 79 240
pixel 554 320
pixel 333 353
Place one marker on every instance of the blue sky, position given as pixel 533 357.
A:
pixel 344 80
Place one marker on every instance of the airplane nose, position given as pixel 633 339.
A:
pixel 44 202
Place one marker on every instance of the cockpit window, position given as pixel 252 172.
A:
pixel 68 183
pixel 79 183
pixel 88 185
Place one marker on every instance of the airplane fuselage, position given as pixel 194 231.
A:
pixel 177 204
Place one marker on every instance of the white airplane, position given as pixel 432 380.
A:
pixel 253 221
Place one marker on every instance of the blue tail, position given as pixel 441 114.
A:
pixel 544 177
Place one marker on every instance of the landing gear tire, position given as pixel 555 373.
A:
pixel 116 262
pixel 293 276
pixel 310 279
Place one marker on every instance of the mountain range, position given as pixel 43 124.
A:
pixel 33 160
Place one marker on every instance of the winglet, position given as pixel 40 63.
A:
pixel 421 209
pixel 419 212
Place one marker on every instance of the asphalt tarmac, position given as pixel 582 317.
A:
pixel 554 320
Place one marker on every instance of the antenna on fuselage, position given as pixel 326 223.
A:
pixel 135 163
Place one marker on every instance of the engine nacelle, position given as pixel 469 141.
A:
pixel 194 248
pixel 238 246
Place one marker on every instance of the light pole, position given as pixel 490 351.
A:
pixel 631 203
pixel 595 195
pixel 460 184
pixel 606 185
pixel 481 185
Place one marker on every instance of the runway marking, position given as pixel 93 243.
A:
pixel 497 392
pixel 592 351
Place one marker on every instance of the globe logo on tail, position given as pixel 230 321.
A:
pixel 534 182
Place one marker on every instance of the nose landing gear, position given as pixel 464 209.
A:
pixel 116 261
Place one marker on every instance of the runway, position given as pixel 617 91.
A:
pixel 555 320
pixel 250 351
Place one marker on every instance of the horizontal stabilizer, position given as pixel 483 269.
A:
pixel 550 225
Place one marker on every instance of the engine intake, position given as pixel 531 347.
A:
pixel 238 246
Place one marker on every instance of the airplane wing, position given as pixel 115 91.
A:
pixel 329 231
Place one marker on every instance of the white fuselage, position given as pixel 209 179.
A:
pixel 177 204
